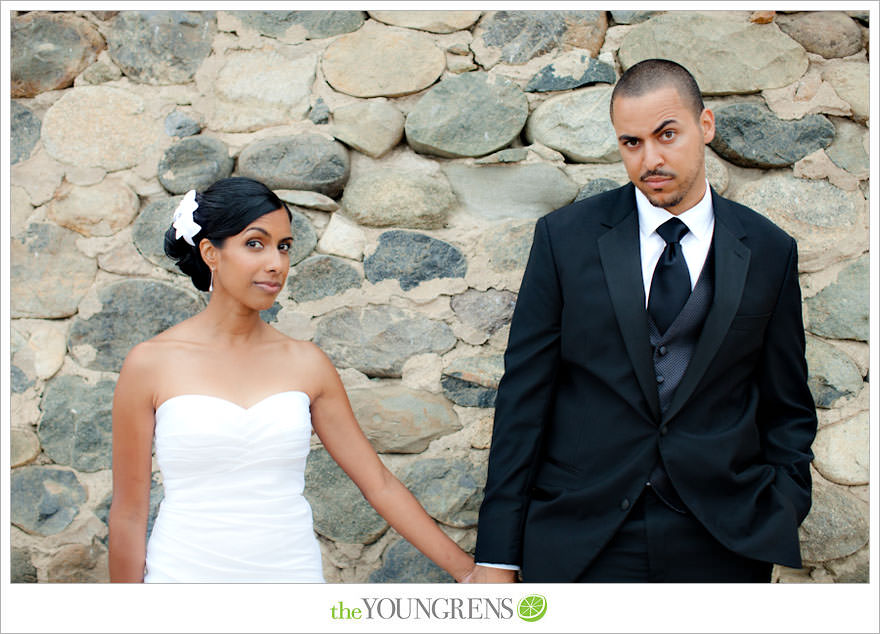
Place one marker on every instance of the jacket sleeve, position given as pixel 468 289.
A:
pixel 524 399
pixel 786 412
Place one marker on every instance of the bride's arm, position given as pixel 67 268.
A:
pixel 336 426
pixel 132 464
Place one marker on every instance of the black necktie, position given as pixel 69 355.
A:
pixel 671 284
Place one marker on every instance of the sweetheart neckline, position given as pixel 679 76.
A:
pixel 233 403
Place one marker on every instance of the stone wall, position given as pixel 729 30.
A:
pixel 416 150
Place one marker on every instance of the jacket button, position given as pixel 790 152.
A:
pixel 662 350
pixel 624 504
pixel 663 430
pixel 659 379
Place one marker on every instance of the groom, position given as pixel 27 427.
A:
pixel 654 421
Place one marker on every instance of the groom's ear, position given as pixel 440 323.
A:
pixel 707 124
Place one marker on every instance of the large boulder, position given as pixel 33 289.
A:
pixel 50 275
pixel 827 33
pixel 44 500
pixel 515 37
pixel 377 340
pixel 339 509
pixel 99 126
pixel 842 451
pixel 726 53
pixel 305 161
pixel 749 135
pixel 343 237
pixel 397 419
pixel 48 51
pixel 132 311
pixel 377 61
pixel 97 210
pixel 837 525
pixel 472 114
pixel 161 47
pixel 403 563
pixel 194 163
pixel 577 124
pixel 246 90
pixel 449 489
pixel 840 310
pixel 321 276
pixel 571 71
pixel 828 223
pixel 484 311
pixel 497 192
pixel 75 429
pixel 833 375
pixel 412 258
pixel 431 21
pixel 370 127
pixel 507 247
pixel 386 197
pixel 294 26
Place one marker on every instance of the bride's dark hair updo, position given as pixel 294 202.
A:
pixel 224 209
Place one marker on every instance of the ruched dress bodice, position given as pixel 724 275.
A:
pixel 233 509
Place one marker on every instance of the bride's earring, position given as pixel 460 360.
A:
pixel 211 286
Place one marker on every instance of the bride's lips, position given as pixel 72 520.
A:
pixel 269 287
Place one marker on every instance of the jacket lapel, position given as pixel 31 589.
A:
pixel 621 258
pixel 731 267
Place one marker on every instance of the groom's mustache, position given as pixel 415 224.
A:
pixel 660 173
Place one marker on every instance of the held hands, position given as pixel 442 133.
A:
pixel 466 577
pixel 487 574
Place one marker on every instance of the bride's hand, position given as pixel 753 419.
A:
pixel 488 574
pixel 468 576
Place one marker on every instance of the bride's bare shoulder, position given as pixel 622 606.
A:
pixel 300 349
pixel 160 349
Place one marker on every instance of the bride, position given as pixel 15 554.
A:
pixel 232 404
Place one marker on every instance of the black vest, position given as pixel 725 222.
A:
pixel 672 354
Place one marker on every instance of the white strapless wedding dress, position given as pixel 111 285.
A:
pixel 234 509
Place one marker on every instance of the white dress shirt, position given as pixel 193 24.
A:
pixel 700 221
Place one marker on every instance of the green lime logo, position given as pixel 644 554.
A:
pixel 532 608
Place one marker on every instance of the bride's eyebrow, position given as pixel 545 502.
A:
pixel 260 229
pixel 267 234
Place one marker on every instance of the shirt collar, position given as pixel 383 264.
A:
pixel 699 218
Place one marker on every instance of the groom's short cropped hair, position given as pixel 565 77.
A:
pixel 651 74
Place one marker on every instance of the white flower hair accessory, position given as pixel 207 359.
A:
pixel 183 221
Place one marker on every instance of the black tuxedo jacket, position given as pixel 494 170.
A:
pixel 578 426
